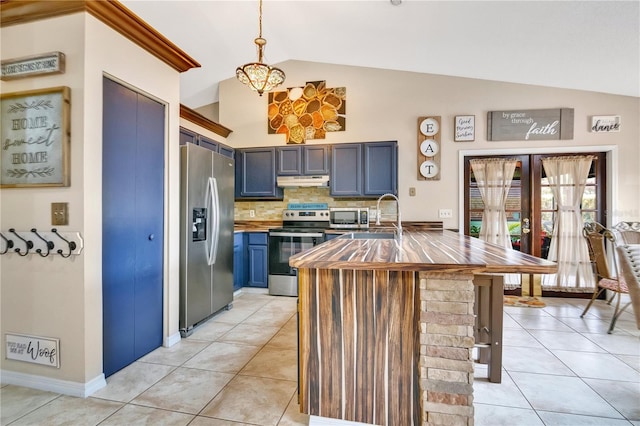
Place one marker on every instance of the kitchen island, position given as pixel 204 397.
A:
pixel 386 325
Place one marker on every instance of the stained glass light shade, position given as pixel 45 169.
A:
pixel 260 77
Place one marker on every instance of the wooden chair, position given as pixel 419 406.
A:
pixel 597 237
pixel 629 256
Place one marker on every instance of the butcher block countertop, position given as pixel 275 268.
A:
pixel 434 251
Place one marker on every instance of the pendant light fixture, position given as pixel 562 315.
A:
pixel 259 76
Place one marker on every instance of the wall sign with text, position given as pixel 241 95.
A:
pixel 31 66
pixel 605 123
pixel 465 128
pixel 34 349
pixel 429 148
pixel 35 138
pixel 531 124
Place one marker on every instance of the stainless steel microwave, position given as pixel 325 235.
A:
pixel 349 217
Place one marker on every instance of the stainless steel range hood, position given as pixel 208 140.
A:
pixel 298 181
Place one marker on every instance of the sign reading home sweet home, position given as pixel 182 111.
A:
pixel 531 124
pixel 35 137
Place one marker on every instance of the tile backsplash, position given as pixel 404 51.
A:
pixel 272 210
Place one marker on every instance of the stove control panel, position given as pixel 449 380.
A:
pixel 306 215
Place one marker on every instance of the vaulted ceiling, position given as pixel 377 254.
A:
pixel 587 45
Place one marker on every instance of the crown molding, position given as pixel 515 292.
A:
pixel 112 13
pixel 202 121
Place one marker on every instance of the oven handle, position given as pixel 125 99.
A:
pixel 296 234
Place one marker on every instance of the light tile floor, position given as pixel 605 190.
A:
pixel 239 368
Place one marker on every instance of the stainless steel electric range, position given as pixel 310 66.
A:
pixel 301 230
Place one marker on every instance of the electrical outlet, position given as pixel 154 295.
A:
pixel 373 214
pixel 412 192
pixel 445 213
pixel 252 213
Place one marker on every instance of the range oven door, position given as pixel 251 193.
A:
pixel 283 245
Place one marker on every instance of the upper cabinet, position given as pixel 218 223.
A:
pixel 346 170
pixel 256 174
pixel 364 169
pixel 189 136
pixel 380 168
pixel 302 160
pixel 361 170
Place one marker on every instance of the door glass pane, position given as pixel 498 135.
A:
pixel 513 209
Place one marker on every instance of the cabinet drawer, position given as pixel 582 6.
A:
pixel 258 238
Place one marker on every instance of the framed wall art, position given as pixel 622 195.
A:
pixel 35 138
pixel 465 128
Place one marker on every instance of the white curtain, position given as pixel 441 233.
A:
pixel 494 176
pixel 567 178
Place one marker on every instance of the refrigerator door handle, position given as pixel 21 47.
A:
pixel 215 213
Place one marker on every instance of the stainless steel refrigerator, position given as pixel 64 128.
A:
pixel 206 237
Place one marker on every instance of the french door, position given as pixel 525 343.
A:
pixel 531 209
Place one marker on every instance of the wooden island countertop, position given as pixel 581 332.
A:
pixel 433 251
pixel 386 327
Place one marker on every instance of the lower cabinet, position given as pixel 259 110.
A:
pixel 257 259
pixel 238 260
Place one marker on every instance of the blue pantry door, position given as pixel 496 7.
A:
pixel 132 225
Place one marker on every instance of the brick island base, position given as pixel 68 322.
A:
pixel 386 347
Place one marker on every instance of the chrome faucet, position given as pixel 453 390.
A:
pixel 398 217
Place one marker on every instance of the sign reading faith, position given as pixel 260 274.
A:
pixel 37 350
pixel 46 63
pixel 34 138
pixel 532 124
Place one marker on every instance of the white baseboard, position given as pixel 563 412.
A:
pixel 65 387
pixel 172 340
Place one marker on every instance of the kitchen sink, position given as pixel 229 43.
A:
pixel 370 236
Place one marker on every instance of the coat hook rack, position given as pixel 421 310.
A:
pixel 71 244
pixel 8 244
pixel 27 243
pixel 44 243
pixel 48 243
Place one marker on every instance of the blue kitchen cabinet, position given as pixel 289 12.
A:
pixel 189 136
pixel 225 150
pixel 302 160
pixel 257 258
pixel 364 169
pixel 380 168
pixel 210 144
pixel 256 174
pixel 239 264
pixel 346 170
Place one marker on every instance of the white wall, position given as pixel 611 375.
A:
pixel 385 105
pixel 62 298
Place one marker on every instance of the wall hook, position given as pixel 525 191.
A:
pixel 49 244
pixel 27 243
pixel 8 244
pixel 72 244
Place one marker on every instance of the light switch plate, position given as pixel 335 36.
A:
pixel 59 214
pixel 412 192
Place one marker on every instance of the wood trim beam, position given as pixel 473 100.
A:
pixel 112 13
pixel 202 121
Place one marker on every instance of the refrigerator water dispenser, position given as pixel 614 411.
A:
pixel 199 224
